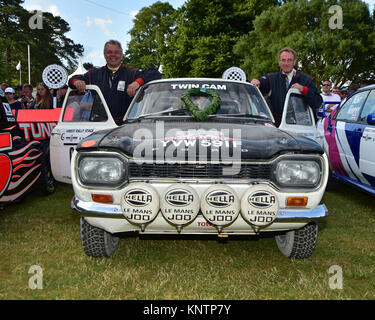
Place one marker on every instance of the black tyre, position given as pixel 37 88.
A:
pixel 48 182
pixel 298 244
pixel 97 242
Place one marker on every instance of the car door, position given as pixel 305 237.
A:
pixel 82 114
pixel 367 142
pixel 297 116
pixel 348 130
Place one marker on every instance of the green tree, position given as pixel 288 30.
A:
pixel 204 34
pixel 341 54
pixel 151 26
pixel 47 45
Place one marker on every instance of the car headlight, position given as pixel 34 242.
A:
pixel 102 170
pixel 298 173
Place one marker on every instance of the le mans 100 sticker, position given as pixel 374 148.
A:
pixel 220 206
pixel 140 204
pixel 180 204
pixel 259 207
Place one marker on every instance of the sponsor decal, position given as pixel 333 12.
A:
pixel 179 198
pixel 220 206
pixel 259 207
pixel 186 86
pixel 138 197
pixel 262 199
pixel 220 199
pixel 8 110
pixel 38 130
pixel 74 136
pixel 180 205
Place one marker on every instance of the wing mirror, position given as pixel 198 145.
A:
pixel 371 118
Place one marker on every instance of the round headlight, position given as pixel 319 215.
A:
pixel 293 173
pixel 101 171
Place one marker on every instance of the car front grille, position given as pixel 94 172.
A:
pixel 251 171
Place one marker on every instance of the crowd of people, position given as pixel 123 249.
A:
pixel 119 84
pixel 23 96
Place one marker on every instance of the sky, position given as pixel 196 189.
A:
pixel 93 22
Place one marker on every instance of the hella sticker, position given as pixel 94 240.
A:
pixel 220 199
pixel 179 198
pixel 262 199
pixel 138 197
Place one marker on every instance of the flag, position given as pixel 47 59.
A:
pixel 18 67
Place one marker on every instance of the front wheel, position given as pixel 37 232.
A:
pixel 97 242
pixel 298 244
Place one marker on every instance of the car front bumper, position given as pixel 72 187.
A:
pixel 112 219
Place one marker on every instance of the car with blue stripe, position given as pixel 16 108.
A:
pixel 349 140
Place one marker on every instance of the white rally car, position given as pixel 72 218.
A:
pixel 199 157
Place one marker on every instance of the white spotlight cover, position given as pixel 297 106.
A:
pixel 259 206
pixel 179 204
pixel 140 203
pixel 220 205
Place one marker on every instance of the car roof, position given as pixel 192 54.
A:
pixel 371 86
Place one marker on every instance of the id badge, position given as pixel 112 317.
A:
pixel 121 86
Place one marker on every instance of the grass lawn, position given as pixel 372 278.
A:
pixel 44 231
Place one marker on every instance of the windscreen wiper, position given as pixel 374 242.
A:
pixel 168 111
pixel 246 115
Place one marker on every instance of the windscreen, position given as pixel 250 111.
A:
pixel 236 98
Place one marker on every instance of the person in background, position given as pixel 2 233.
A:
pixel 43 98
pixel 277 84
pixel 328 96
pixel 336 90
pixel 10 95
pixel 4 86
pixel 61 96
pixel 27 98
pixel 343 94
pixel 19 90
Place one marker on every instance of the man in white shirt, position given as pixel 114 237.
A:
pixel 327 95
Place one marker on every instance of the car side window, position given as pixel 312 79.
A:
pixel 369 107
pixel 351 109
pixel 298 111
pixel 84 107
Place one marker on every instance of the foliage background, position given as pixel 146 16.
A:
pixel 205 37
pixel 48 45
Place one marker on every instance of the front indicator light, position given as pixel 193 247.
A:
pixel 297 202
pixel 102 198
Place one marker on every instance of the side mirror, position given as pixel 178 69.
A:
pixel 371 119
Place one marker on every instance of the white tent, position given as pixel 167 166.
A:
pixel 80 70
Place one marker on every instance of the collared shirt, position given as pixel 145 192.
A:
pixel 290 76
pixel 331 97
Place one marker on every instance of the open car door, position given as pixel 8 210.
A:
pixel 298 117
pixel 81 115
